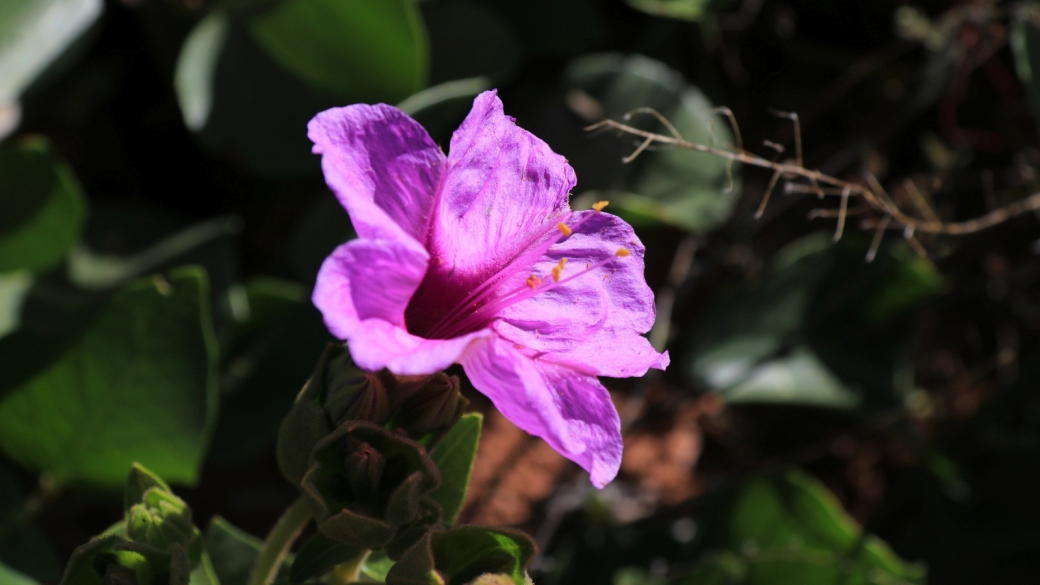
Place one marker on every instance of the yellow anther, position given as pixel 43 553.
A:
pixel 533 281
pixel 558 269
pixel 622 252
pixel 566 231
pixel 599 205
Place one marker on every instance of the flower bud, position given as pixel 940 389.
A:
pixel 365 483
pixel 433 408
pixel 336 392
pixel 161 520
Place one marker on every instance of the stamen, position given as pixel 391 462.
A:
pixel 623 252
pixel 599 205
pixel 566 231
pixel 558 269
pixel 533 281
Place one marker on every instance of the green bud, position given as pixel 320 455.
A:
pixel 160 520
pixel 366 482
pixel 351 394
pixel 336 392
pixel 433 408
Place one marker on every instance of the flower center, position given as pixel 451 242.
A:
pixel 447 305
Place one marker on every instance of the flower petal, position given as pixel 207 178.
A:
pixel 383 167
pixel 569 410
pixel 366 280
pixel 502 188
pixel 597 320
pixel 362 290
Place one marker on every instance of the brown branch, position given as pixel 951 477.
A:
pixel 823 185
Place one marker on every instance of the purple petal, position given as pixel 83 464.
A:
pixel 368 279
pixel 383 167
pixel 569 410
pixel 362 290
pixel 503 187
pixel 597 320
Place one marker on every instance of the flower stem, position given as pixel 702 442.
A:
pixel 284 533
pixel 350 571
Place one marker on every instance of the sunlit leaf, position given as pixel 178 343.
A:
pixel 138 384
pixel 454 456
pixel 33 33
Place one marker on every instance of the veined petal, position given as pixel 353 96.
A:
pixel 569 410
pixel 368 280
pixel 383 167
pixel 502 188
pixel 597 320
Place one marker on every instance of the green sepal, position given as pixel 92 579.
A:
pixel 114 560
pixel 336 392
pixel 432 410
pixel 138 482
pixel 365 482
pixel 464 553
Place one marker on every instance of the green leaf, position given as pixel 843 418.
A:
pixel 42 207
pixel 137 385
pixel 23 546
pixel 818 327
pixel 373 49
pixel 318 556
pixel 9 576
pixel 793 530
pixel 14 288
pixel 465 552
pixel 695 10
pixel 233 552
pixel 258 389
pixel 1025 46
pixel 454 456
pixel 33 33
pixel 377 565
pixel 686 189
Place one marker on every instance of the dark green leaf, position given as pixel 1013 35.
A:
pixel 469 40
pixel 138 385
pixel 687 189
pixel 1025 46
pixel 550 29
pixel 233 553
pixel 42 207
pixel 789 336
pixel 318 556
pixel 258 389
pixel 793 530
pixel 23 546
pixel 367 49
pixel 454 456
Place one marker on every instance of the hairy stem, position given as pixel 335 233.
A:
pixel 281 537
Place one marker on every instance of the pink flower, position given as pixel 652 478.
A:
pixel 477 259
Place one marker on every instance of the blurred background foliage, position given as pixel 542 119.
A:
pixel 825 419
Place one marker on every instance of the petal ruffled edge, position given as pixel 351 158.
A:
pixel 383 167
pixel 570 410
